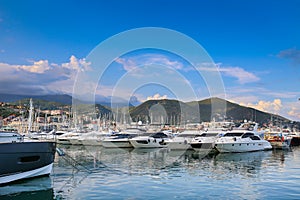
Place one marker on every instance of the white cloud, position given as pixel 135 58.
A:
pixel 38 67
pixel 157 97
pixel 294 113
pixel 128 64
pixel 267 106
pixel 40 76
pixel 132 63
pixel 76 64
pixel 241 74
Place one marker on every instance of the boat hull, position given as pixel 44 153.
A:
pixel 201 145
pixel 239 147
pixel 295 141
pixel 42 171
pixel 25 160
pixel 179 146
pixel 280 144
pixel 179 143
pixel 116 144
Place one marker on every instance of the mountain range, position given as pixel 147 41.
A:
pixel 168 109
pixel 196 111
pixel 67 99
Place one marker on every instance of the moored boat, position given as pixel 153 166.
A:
pixel 182 140
pixel 93 138
pixel 278 139
pixel 241 141
pixel 22 160
pixel 119 140
pixel 10 137
pixel 295 138
pixel 155 140
pixel 206 141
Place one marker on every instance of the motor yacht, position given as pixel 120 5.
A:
pixel 241 141
pixel 155 140
pixel 93 138
pixel 206 141
pixel 119 140
pixel 182 140
pixel 24 159
pixel 69 138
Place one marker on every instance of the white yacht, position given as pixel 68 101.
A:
pixel 206 141
pixel 155 140
pixel 93 138
pixel 182 140
pixel 42 135
pixel 10 137
pixel 119 140
pixel 241 141
pixel 68 138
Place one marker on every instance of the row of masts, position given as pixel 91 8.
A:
pixel 120 117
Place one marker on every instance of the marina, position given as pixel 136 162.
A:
pixel 141 161
pixel 149 100
pixel 90 172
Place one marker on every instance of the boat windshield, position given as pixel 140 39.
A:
pixel 233 134
pixel 124 135
pixel 247 135
pixel 159 135
pixel 254 137
pixel 188 135
pixel 209 134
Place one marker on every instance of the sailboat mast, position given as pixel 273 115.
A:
pixel 30 116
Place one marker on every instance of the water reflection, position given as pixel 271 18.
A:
pixel 243 164
pixel 89 168
pixel 37 188
pixel 153 161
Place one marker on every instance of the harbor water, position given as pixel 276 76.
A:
pixel 90 172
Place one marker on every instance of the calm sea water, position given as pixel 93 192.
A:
pixel 99 173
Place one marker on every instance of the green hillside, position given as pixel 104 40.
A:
pixel 171 110
pixel 198 111
pixel 40 104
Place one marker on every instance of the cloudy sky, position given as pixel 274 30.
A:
pixel 255 46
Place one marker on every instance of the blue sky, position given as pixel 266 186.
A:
pixel 255 44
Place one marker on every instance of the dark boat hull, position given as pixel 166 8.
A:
pixel 295 141
pixel 25 160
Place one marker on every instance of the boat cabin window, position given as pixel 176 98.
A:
pixel 188 135
pixel 124 135
pixel 29 159
pixel 247 135
pixel 209 134
pixel 233 134
pixel 159 135
pixel 254 137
